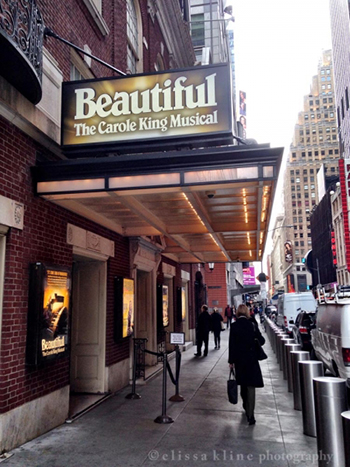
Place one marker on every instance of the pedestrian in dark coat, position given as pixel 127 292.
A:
pixel 229 315
pixel 243 358
pixel 216 320
pixel 203 329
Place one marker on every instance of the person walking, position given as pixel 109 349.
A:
pixel 228 314
pixel 203 329
pixel 216 320
pixel 243 358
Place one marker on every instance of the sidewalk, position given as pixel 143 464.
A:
pixel 207 429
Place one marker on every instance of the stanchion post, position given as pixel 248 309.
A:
pixel 177 397
pixel 330 402
pixel 134 394
pixel 164 418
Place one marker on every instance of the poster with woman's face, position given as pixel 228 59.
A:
pixel 128 307
pixel 288 251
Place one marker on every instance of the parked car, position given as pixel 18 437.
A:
pixel 301 329
pixel 290 305
pixel 270 309
pixel 331 336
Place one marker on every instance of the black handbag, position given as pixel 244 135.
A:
pixel 261 355
pixel 232 390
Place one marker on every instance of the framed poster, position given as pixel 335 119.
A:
pixel 128 307
pixel 183 303
pixel 48 313
pixel 124 307
pixel 165 301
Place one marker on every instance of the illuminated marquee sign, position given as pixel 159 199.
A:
pixel 188 103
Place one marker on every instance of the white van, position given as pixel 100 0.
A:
pixel 331 338
pixel 290 305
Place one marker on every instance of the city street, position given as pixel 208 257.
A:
pixel 207 430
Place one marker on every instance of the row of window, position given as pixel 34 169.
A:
pixel 330 152
pixel 327 129
pixel 297 172
pixel 306 203
pixel 305 195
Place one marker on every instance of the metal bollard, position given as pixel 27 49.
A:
pixel 275 332
pixel 307 371
pixel 285 341
pixel 280 336
pixel 296 357
pixel 288 349
pixel 346 436
pixel 330 402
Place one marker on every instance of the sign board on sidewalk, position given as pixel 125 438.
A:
pixel 177 338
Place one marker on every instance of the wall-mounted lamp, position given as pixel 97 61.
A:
pixel 211 267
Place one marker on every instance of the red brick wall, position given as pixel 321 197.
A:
pixel 42 239
pixel 71 20
pixel 217 279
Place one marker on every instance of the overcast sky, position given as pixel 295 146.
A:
pixel 278 44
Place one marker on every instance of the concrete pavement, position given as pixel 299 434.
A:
pixel 207 429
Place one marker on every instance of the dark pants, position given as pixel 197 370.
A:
pixel 217 338
pixel 228 322
pixel 248 397
pixel 202 338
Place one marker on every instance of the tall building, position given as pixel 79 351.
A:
pixel 315 142
pixel 340 29
pixel 208 30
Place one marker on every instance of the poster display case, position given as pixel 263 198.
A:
pixel 124 306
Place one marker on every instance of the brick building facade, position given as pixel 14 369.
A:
pixel 33 230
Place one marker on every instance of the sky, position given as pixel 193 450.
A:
pixel 278 44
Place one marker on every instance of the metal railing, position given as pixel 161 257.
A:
pixel 21 24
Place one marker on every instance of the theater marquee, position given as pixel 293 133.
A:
pixel 194 102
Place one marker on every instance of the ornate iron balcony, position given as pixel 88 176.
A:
pixel 21 44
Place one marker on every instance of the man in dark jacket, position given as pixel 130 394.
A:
pixel 243 357
pixel 203 329
pixel 216 320
pixel 228 314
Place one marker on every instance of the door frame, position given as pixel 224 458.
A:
pixel 82 255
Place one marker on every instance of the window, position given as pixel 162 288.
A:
pixel 297 180
pixel 303 154
pixel 132 36
pixel 306 187
pixel 305 171
pixel 197 30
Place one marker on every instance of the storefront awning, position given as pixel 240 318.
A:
pixel 208 205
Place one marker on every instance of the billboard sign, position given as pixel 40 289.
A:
pixel 288 251
pixel 141 108
pixel 249 276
